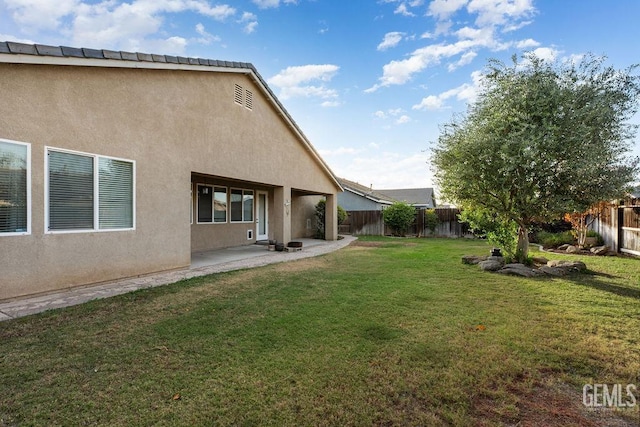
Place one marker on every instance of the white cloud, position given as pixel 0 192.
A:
pixel 339 151
pixel 402 9
pixel 267 4
pixel 443 9
pixel 546 53
pixel 205 37
pixel 431 102
pixel 294 81
pixel 396 113
pixel 493 18
pixel 465 59
pixel 400 72
pixel 137 25
pixel 12 38
pixel 500 12
pixel 390 40
pixel 466 92
pixel 387 169
pixel 36 15
pixel 525 44
pixel 403 119
pixel 330 104
pixel 250 22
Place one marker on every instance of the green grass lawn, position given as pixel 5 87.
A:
pixel 384 332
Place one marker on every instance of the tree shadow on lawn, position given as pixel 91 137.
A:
pixel 596 280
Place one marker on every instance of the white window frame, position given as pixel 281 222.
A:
pixel 28 231
pixel 213 203
pixel 198 185
pixel 243 221
pixel 96 193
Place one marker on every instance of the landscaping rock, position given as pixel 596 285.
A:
pixel 473 259
pixel 563 247
pixel 491 265
pixel 540 260
pixel 568 265
pixel 600 250
pixel 572 249
pixel 554 271
pixel 519 270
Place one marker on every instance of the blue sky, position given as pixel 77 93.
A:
pixel 368 82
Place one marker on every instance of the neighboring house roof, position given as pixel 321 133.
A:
pixel 13 52
pixel 421 197
pixel 365 192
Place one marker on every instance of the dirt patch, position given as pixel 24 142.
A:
pixel 302 264
pixel 362 244
pixel 553 404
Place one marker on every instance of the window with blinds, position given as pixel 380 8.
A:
pixel 115 190
pixel 241 205
pixel 87 192
pixel 15 173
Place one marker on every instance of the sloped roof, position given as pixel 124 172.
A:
pixel 413 196
pixel 21 53
pixel 365 191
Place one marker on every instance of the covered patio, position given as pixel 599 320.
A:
pixel 202 264
pixel 214 257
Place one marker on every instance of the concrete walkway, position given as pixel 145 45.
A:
pixel 202 264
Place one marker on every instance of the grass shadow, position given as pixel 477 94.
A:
pixel 594 280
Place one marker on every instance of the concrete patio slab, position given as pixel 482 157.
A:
pixel 202 264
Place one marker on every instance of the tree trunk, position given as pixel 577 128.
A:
pixel 522 250
pixel 582 230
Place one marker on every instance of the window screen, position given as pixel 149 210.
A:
pixel 70 191
pixel 14 178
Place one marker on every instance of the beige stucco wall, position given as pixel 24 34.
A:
pixel 303 216
pixel 172 124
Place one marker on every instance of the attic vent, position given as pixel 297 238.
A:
pixel 237 97
pixel 248 100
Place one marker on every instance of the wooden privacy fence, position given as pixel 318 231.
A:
pixel 371 223
pixel 619 225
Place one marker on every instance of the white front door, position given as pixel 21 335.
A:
pixel 262 222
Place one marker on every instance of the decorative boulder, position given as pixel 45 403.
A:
pixel 572 249
pixel 568 265
pixel 519 270
pixel 473 259
pixel 554 271
pixel 563 247
pixel 491 265
pixel 600 250
pixel 540 260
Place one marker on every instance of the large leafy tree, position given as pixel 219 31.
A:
pixel 542 139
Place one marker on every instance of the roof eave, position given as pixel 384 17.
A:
pixel 239 68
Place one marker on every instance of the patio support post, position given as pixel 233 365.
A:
pixel 331 217
pixel 282 214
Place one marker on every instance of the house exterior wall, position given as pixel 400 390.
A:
pixel 303 216
pixel 172 124
pixel 353 202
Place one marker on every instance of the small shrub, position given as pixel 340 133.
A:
pixel 553 240
pixel 431 220
pixel 399 216
pixel 599 238
pixel 320 214
pixel 498 231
